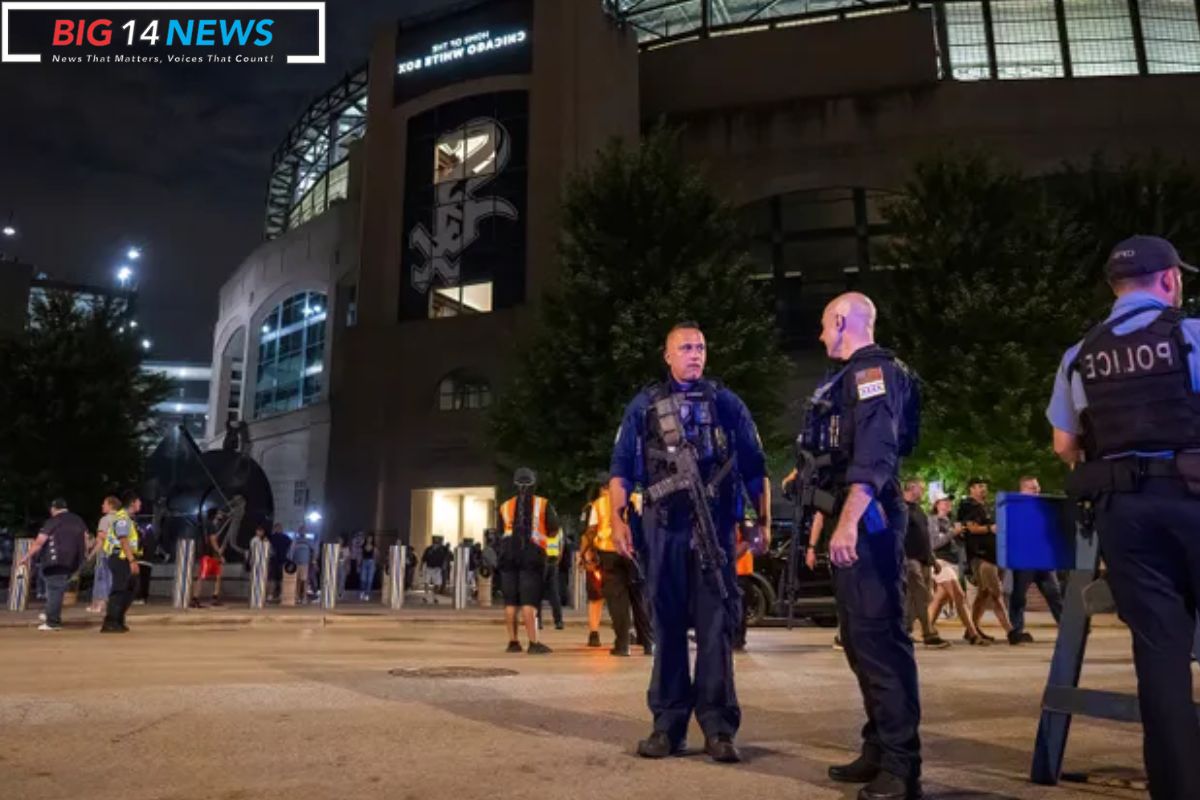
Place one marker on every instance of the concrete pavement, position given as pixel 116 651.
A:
pixel 306 709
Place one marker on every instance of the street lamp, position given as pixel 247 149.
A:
pixel 8 230
pixel 314 517
pixel 124 274
pixel 133 324
pixel 134 254
pixel 146 344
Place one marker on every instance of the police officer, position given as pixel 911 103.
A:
pixel 720 432
pixel 1126 414
pixel 866 415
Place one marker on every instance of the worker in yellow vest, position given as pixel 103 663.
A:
pixel 121 548
pixel 550 583
pixel 621 589
pixel 529 524
pixel 589 562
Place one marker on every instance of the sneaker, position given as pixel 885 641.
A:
pixel 195 604
pixel 936 643
pixel 514 647
pixel 537 649
pixel 837 643
pixel 558 626
pixel 139 602
pixel 216 601
pixel 1019 637
pixel 594 639
pixel 45 626
pixel 42 617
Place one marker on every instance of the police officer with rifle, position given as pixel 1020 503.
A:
pixel 692 446
pixel 862 419
pixel 1126 416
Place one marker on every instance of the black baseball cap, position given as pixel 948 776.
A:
pixel 58 504
pixel 1143 255
pixel 976 481
pixel 524 476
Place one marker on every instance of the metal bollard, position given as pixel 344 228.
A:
pixel 260 554
pixel 19 578
pixel 461 587
pixel 329 575
pixel 398 555
pixel 185 559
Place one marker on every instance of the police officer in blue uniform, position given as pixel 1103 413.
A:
pixel 865 416
pixel 1126 415
pixel 720 432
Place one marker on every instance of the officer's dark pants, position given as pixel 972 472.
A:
pixel 626 600
pixel 681 598
pixel 122 592
pixel 871 606
pixel 1151 544
pixel 1047 583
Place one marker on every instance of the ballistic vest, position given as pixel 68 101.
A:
pixel 1138 388
pixel 537 519
pixel 701 428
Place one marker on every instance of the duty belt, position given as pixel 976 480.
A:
pixel 1093 478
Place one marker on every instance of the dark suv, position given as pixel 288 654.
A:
pixel 763 592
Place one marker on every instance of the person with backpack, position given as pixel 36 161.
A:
pixel 64 540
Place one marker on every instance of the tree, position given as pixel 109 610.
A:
pixel 645 244
pixel 76 407
pixel 997 275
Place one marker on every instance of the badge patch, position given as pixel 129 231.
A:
pixel 870 383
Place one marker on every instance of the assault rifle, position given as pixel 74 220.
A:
pixel 684 468
pixel 808 498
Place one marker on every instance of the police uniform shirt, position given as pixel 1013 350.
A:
pixel 874 389
pixel 1069 400
pixel 628 459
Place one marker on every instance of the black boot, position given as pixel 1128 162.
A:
pixel 658 745
pixel 721 748
pixel 594 639
pixel 887 786
pixel 860 770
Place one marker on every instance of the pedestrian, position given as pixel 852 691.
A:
pixel 944 534
pixel 550 580
pixel 343 565
pixel 1045 580
pixel 867 414
pixel 63 539
pixel 410 568
pixel 122 547
pixel 366 572
pixel 101 578
pixel 281 543
pixel 529 524
pixel 434 563
pixel 302 555
pixel 617 579
pixel 919 567
pixel 589 563
pixel 687 416
pixel 1126 416
pixel 980 529
pixel 356 556
pixel 212 560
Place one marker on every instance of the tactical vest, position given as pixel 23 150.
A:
pixel 701 428
pixel 1138 388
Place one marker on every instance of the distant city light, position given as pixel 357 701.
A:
pixel 124 273
pixel 314 517
pixel 133 324
pixel 266 328
pixel 146 344
pixel 134 254
pixel 179 408
pixel 10 231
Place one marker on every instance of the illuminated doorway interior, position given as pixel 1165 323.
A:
pixel 454 514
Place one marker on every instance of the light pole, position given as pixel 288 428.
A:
pixel 124 275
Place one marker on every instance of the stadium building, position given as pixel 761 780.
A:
pixel 411 212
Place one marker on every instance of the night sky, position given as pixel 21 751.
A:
pixel 174 158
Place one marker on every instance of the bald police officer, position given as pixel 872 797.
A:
pixel 684 589
pixel 865 416
pixel 1126 415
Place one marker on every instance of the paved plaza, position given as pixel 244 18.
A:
pixel 212 706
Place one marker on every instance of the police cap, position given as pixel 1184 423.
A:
pixel 1143 255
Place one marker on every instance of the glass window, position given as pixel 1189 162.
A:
pixel 968 40
pixel 1101 38
pixel 457 301
pixel 291 355
pixel 465 154
pixel 1026 34
pixel 339 182
pixel 1172 38
pixel 459 392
